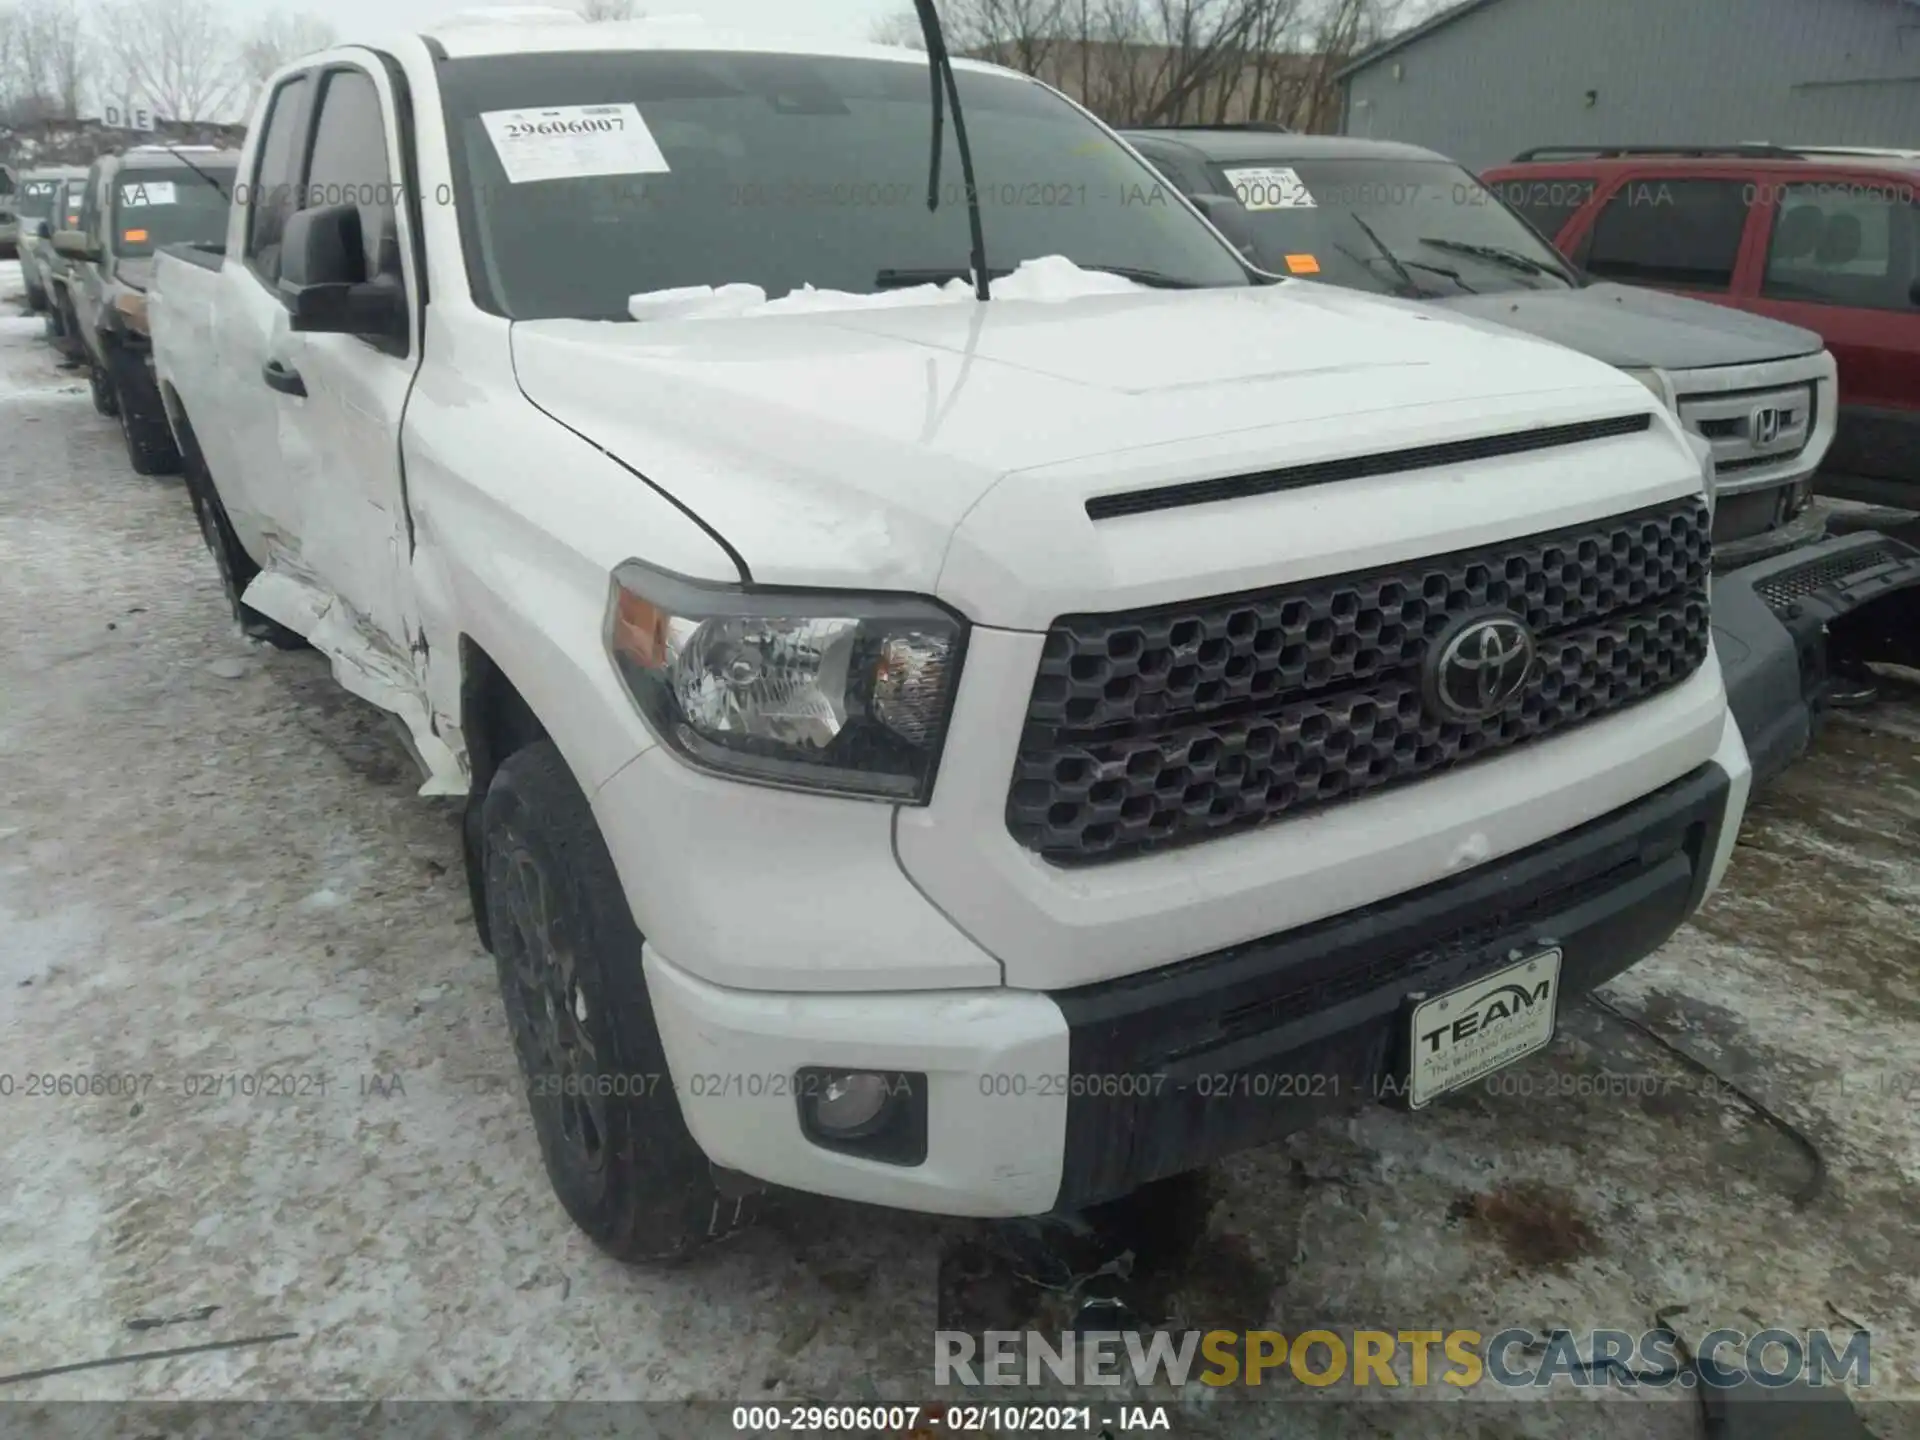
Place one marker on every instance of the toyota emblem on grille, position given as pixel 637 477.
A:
pixel 1480 668
pixel 1766 426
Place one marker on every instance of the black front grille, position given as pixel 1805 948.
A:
pixel 1757 462
pixel 1803 580
pixel 1169 725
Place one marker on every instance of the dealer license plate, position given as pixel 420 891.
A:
pixel 1482 1026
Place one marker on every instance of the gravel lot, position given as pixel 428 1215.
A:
pixel 212 863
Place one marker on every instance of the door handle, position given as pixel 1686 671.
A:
pixel 283 377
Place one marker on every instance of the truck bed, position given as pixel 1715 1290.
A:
pixel 181 308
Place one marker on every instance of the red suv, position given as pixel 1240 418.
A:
pixel 1824 238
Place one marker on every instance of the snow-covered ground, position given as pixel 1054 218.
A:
pixel 220 895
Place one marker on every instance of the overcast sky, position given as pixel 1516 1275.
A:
pixel 842 19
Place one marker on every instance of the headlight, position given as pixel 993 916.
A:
pixel 1656 381
pixel 820 690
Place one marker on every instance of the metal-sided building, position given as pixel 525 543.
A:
pixel 1486 79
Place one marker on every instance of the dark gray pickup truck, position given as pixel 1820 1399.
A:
pixel 1791 605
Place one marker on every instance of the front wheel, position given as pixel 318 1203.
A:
pixel 143 424
pixel 101 384
pixel 616 1148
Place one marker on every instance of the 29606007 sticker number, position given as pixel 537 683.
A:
pixel 605 125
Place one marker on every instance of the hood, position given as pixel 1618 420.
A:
pixel 1627 326
pixel 847 447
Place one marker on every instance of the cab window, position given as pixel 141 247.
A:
pixel 271 194
pixel 169 206
pixel 1843 243
pixel 1661 231
pixel 349 164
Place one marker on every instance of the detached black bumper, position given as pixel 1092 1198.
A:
pixel 1781 624
pixel 1183 1065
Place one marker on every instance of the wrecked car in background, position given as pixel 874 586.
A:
pixel 970 731
pixel 1398 220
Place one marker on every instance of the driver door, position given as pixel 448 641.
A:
pixel 339 432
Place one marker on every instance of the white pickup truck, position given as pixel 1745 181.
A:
pixel 970 755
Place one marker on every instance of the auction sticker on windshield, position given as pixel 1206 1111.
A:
pixel 147 192
pixel 1274 187
pixel 1482 1026
pixel 572 141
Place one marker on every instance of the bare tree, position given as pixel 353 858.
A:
pixel 610 10
pixel 176 55
pixel 282 37
pixel 1342 29
pixel 1142 62
pixel 902 29
pixel 44 59
pixel 1023 34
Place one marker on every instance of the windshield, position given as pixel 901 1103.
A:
pixel 152 208
pixel 1435 230
pixel 35 199
pixel 780 171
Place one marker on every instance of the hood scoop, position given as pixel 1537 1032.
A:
pixel 1357 467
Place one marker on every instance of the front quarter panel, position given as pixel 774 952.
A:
pixel 518 525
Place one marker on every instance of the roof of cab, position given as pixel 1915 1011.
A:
pixel 534 29
pixel 1259 145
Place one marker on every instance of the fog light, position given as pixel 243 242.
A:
pixel 875 1114
pixel 848 1105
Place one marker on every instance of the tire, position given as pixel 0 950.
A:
pixel 73 349
pixel 143 425
pixel 625 1167
pixel 235 565
pixel 36 299
pixel 101 385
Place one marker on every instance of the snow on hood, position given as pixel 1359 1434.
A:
pixel 1051 277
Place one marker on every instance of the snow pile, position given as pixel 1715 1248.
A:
pixel 1051 277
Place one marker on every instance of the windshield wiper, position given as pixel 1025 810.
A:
pixel 940 66
pixel 1154 279
pixel 1453 275
pixel 1399 266
pixel 939 275
pixel 1498 254
pixel 225 194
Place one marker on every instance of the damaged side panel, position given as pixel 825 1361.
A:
pixel 367 665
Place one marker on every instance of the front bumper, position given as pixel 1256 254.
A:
pixel 1777 624
pixel 1039 1101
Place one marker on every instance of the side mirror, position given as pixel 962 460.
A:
pixel 324 283
pixel 1229 217
pixel 75 245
